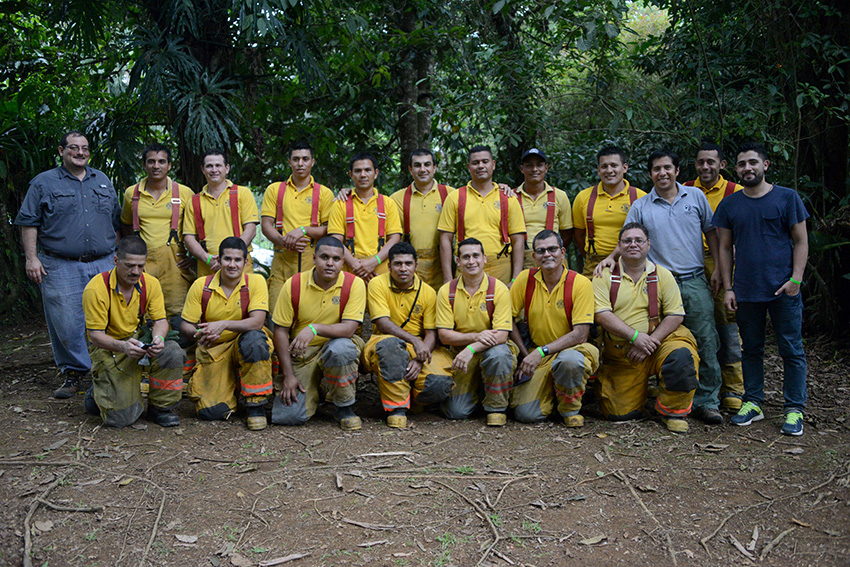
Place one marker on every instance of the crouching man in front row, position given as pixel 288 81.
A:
pixel 225 313
pixel 403 352
pixel 639 306
pixel 115 304
pixel 316 318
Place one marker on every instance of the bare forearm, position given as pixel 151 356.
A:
pixel 446 254
pixel 384 252
pixel 267 225
pixel 517 338
pixel 578 240
pixel 575 337
pixel 517 254
pixel 341 330
pixel 249 231
pixel 667 326
pixel 194 247
pixel 29 238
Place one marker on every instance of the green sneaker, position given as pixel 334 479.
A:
pixel 748 413
pixel 793 424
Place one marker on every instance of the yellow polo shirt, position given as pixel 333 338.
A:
pixel 483 219
pixel 223 308
pixel 365 222
pixel 387 300
pixel 609 216
pixel 425 213
pixel 319 306
pixel 632 305
pixel 470 313
pixel 100 304
pixel 216 214
pixel 297 211
pixel 155 215
pixel 547 317
pixel 535 211
pixel 714 195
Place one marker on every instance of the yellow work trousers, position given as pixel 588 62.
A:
pixel 590 263
pixel 563 376
pixel 386 357
pixel 499 267
pixel 221 373
pixel 623 383
pixel 429 268
pixel 729 355
pixel 162 264
pixel 490 372
pixel 286 264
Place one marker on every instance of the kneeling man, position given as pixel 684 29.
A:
pixel 225 313
pixel 559 306
pixel 115 304
pixel 639 306
pixel 403 351
pixel 474 320
pixel 316 318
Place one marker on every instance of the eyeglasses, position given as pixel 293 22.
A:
pixel 638 241
pixel 551 250
pixel 75 148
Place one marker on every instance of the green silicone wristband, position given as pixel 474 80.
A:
pixel 312 328
pixel 792 280
pixel 634 338
pixel 209 259
pixel 540 349
pixel 470 348
pixel 303 230
pixel 378 258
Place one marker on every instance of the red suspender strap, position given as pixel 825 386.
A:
pixel 295 291
pixel 205 298
pixel 632 194
pixel 245 298
pixel 568 295
pixel 615 285
pixel 452 293
pixel 136 223
pixel 730 188
pixel 529 289
pixel 199 219
pixel 175 213
pixel 349 221
pixel 317 197
pixel 278 219
pixel 347 281
pixel 461 212
pixel 652 293
pixel 382 222
pixel 691 183
pixel 234 210
pixel 503 211
pixel 105 276
pixel 588 218
pixel 143 299
pixel 550 209
pixel 490 298
pixel 408 195
pixel 519 198
pixel 444 192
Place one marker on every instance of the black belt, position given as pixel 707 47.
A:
pixel 689 276
pixel 86 259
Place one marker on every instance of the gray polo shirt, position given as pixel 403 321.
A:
pixel 74 217
pixel 675 229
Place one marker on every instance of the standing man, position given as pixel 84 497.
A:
pixel 153 209
pixel 294 216
pixel 709 163
pixel 366 221
pixel 559 309
pixel 69 225
pixel 225 313
pixel 766 223
pixel 599 212
pixel 474 321
pixel 220 210
pixel 677 217
pixel 403 352
pixel 314 336
pixel 421 204
pixel 482 210
pixel 115 304
pixel 639 306
pixel 544 207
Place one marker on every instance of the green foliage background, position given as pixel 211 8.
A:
pixel 565 75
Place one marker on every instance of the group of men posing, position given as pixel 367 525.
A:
pixel 512 329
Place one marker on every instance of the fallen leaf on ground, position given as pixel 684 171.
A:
pixel 240 561
pixel 594 540
pixel 794 451
pixel 187 538
pixel 44 526
pixel 125 481
pixel 281 560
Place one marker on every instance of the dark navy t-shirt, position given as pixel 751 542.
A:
pixel 761 229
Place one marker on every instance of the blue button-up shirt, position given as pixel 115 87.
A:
pixel 74 217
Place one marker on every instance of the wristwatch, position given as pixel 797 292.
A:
pixel 545 350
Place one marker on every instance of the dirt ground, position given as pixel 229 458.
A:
pixel 440 493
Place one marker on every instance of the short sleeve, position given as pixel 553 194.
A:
pixel 259 293
pixel 192 305
pixel 502 319
pixel 336 220
pixel 445 314
pixel 429 307
pixel 378 291
pixel 671 297
pixel 565 216
pixel 393 222
pixel 247 207
pixel 283 312
pixel 579 210
pixel 448 218
pixel 584 304
pixel 95 305
pixel 189 217
pixel 518 292
pixel 269 207
pixel 516 220
pixel 602 291
pixel 326 198
pixel 356 305
pixel 155 299
pixel 127 208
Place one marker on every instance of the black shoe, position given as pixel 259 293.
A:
pixel 89 404
pixel 163 417
pixel 708 416
pixel 71 386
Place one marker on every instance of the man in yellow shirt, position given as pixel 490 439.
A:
pixel 709 163
pixel 220 210
pixel 474 321
pixel 366 221
pixel 420 205
pixel 559 309
pixel 225 313
pixel 153 209
pixel 403 352
pixel 481 210
pixel 295 214
pixel 600 211
pixel 115 304
pixel 543 206
pixel 639 306
pixel 315 324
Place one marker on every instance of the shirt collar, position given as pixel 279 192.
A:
pixel 312 282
